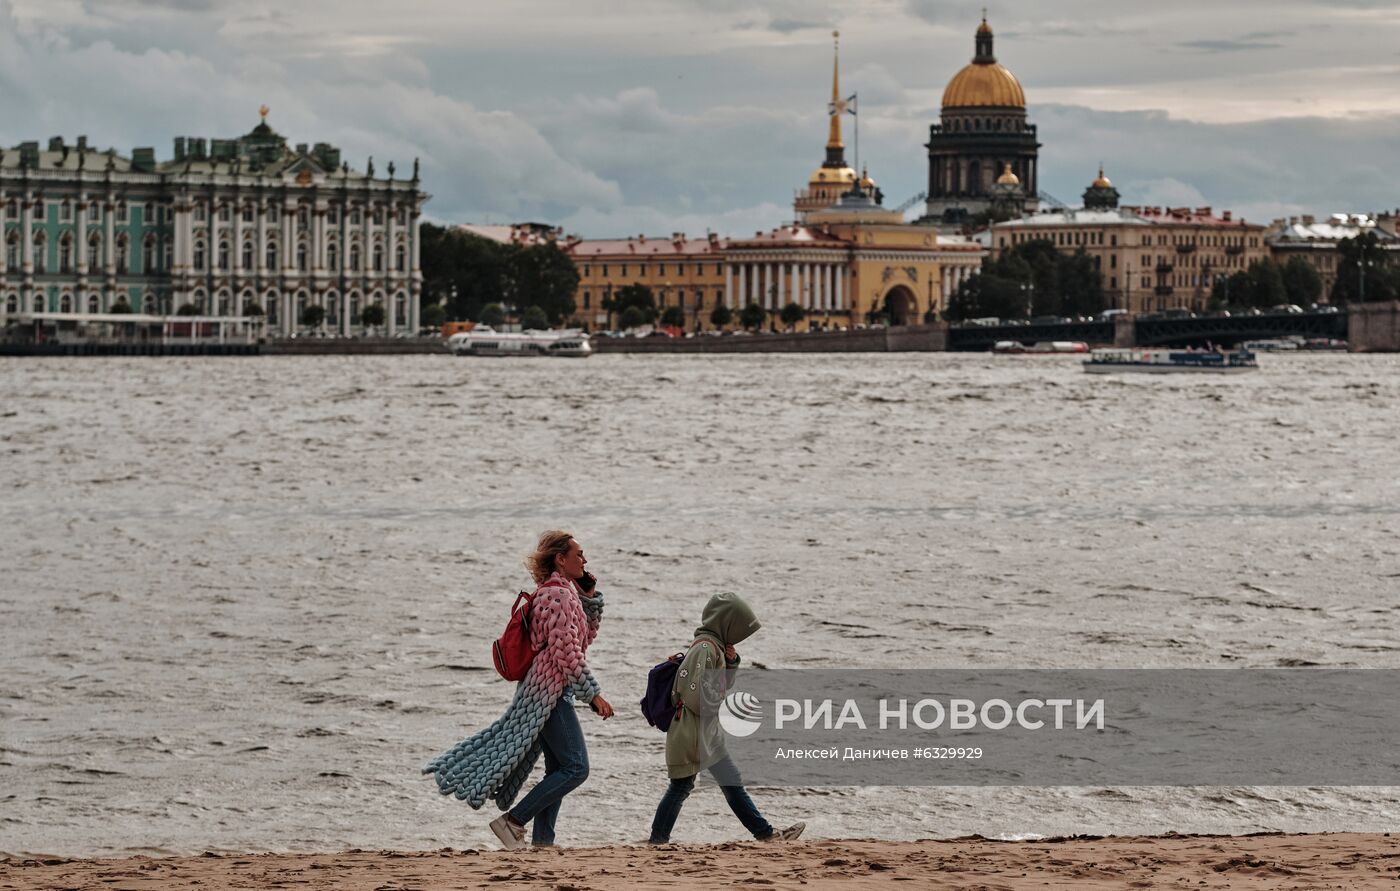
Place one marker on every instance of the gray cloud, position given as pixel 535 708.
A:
pixel 1227 45
pixel 615 120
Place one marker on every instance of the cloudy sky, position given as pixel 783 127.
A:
pixel 623 116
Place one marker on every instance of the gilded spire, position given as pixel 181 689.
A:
pixel 833 139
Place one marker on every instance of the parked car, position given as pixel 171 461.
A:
pixel 1109 314
pixel 1291 308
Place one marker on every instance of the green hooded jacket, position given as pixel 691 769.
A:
pixel 695 740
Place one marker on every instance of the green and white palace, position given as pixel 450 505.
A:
pixel 227 227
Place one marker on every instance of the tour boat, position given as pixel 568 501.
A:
pixel 483 340
pixel 1273 345
pixel 1044 347
pixel 1170 361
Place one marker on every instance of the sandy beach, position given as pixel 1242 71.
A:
pixel 1277 860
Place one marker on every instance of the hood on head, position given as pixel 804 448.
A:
pixel 729 617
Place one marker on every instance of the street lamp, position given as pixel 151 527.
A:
pixel 1362 264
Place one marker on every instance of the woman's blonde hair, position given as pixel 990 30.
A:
pixel 543 562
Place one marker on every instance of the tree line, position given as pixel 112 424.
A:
pixel 1031 279
pixel 470 278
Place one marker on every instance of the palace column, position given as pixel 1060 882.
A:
pixel 829 287
pixel 743 285
pixel 779 295
pixel 415 297
pixel 286 289
pixel 768 286
pixel 728 286
pixel 80 247
pixel 27 233
pixel 840 301
pixel 390 269
pixel 109 249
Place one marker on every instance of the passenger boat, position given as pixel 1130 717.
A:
pixel 1044 347
pixel 483 340
pixel 1170 361
pixel 1272 345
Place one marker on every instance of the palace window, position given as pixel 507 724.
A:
pixel 586 300
pixel 94 251
pixel 301 256
pixel 660 268
pixel 148 214
pixel 247 255
pixel 332 257
pixel 378 216
pixel 272 255
pixel 301 217
pixel 355 215
pixel 400 257
pixel 199 256
pixel 1113 261
pixel 274 213
pixel 402 217
pixel 12 209
pixel 605 270
pixel 224 259
pixel 201 213
pixel 248 213
pixel 623 270
pixel 123 213
pixel 65 254
pixel 12 252
pixel 354 258
pixel 123 249
pixel 378 258
pixel 65 211
pixel 169 255
pixel 148 256
pixel 225 213
pixel 333 215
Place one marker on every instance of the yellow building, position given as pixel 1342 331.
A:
pixel 847 261
pixel 680 271
pixel 1149 258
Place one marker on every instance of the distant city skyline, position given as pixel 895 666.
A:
pixel 690 115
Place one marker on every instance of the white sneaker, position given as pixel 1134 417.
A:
pixel 512 836
pixel 788 834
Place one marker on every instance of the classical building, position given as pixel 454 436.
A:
pixel 225 225
pixel 1316 241
pixel 982 134
pixel 680 271
pixel 853 263
pixel 1149 258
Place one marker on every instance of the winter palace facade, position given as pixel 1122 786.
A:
pixel 230 227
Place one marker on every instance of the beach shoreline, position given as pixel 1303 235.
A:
pixel 1265 860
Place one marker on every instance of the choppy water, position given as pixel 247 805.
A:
pixel 244 600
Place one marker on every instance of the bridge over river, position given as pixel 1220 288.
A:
pixel 1156 331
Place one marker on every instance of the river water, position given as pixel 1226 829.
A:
pixel 244 600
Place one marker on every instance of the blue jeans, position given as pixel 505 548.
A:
pixel 727 775
pixel 565 769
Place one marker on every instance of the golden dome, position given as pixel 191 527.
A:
pixel 983 85
pixel 1008 178
pixel 827 175
pixel 1102 182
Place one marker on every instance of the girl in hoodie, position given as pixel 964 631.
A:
pixel 695 741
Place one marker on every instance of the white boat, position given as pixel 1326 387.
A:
pixel 483 340
pixel 1170 361
pixel 1041 348
pixel 1273 345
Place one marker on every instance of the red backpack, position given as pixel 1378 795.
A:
pixel 512 652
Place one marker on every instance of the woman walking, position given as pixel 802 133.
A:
pixel 564 617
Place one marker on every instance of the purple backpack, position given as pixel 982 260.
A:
pixel 661 680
